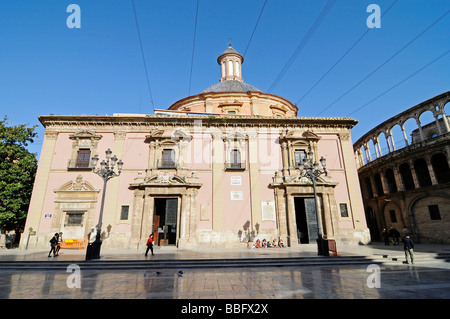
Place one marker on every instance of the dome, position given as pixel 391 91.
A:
pixel 231 86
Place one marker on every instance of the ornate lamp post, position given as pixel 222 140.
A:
pixel 106 172
pixel 310 170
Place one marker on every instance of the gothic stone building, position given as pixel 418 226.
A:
pixel 408 186
pixel 214 169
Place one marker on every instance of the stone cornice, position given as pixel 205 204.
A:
pixel 138 120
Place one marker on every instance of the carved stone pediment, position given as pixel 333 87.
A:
pixel 300 135
pixel 79 185
pixel 165 179
pixel 85 134
pixel 164 135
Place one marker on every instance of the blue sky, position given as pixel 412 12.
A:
pixel 48 68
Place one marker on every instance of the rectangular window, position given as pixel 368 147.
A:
pixel 434 212
pixel 74 218
pixel 168 158
pixel 344 210
pixel 393 216
pixel 235 159
pixel 299 155
pixel 83 158
pixel 124 212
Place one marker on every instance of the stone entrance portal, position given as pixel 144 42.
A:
pixel 165 221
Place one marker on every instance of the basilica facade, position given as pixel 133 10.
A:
pixel 219 168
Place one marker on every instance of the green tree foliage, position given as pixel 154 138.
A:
pixel 17 172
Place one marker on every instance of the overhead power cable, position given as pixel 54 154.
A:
pixel 385 62
pixel 303 43
pixel 344 55
pixel 254 29
pixel 143 56
pixel 193 47
pixel 405 79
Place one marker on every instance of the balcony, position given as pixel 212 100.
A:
pixel 79 165
pixel 166 164
pixel 234 166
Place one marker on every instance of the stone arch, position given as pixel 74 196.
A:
pixel 368 186
pixel 373 152
pixel 383 144
pixel 406 176
pixel 396 131
pixel 390 181
pixel 427 124
pixel 378 184
pixel 409 126
pixel 422 173
pixel 440 166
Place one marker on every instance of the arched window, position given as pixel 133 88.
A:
pixel 440 167
pixel 405 173
pixel 390 180
pixel 421 168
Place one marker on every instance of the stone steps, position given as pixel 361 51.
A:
pixel 186 263
pixel 418 257
pixel 46 265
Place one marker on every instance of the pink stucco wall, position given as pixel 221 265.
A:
pixel 236 213
pixel 136 151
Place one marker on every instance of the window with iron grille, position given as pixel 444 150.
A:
pixel 235 159
pixel 83 158
pixel 124 212
pixel 168 158
pixel 299 155
pixel 74 218
pixel 344 210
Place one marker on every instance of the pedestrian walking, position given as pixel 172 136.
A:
pixel 408 246
pixel 53 243
pixel 58 244
pixel 386 236
pixel 149 245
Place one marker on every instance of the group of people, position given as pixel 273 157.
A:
pixel 55 244
pixel 391 235
pixel 266 244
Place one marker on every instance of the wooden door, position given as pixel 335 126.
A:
pixel 155 228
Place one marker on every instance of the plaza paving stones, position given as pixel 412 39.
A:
pixel 343 282
pixel 429 278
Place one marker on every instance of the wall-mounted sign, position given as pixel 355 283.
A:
pixel 268 210
pixel 237 195
pixel 236 180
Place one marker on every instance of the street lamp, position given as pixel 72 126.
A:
pixel 310 169
pixel 106 172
